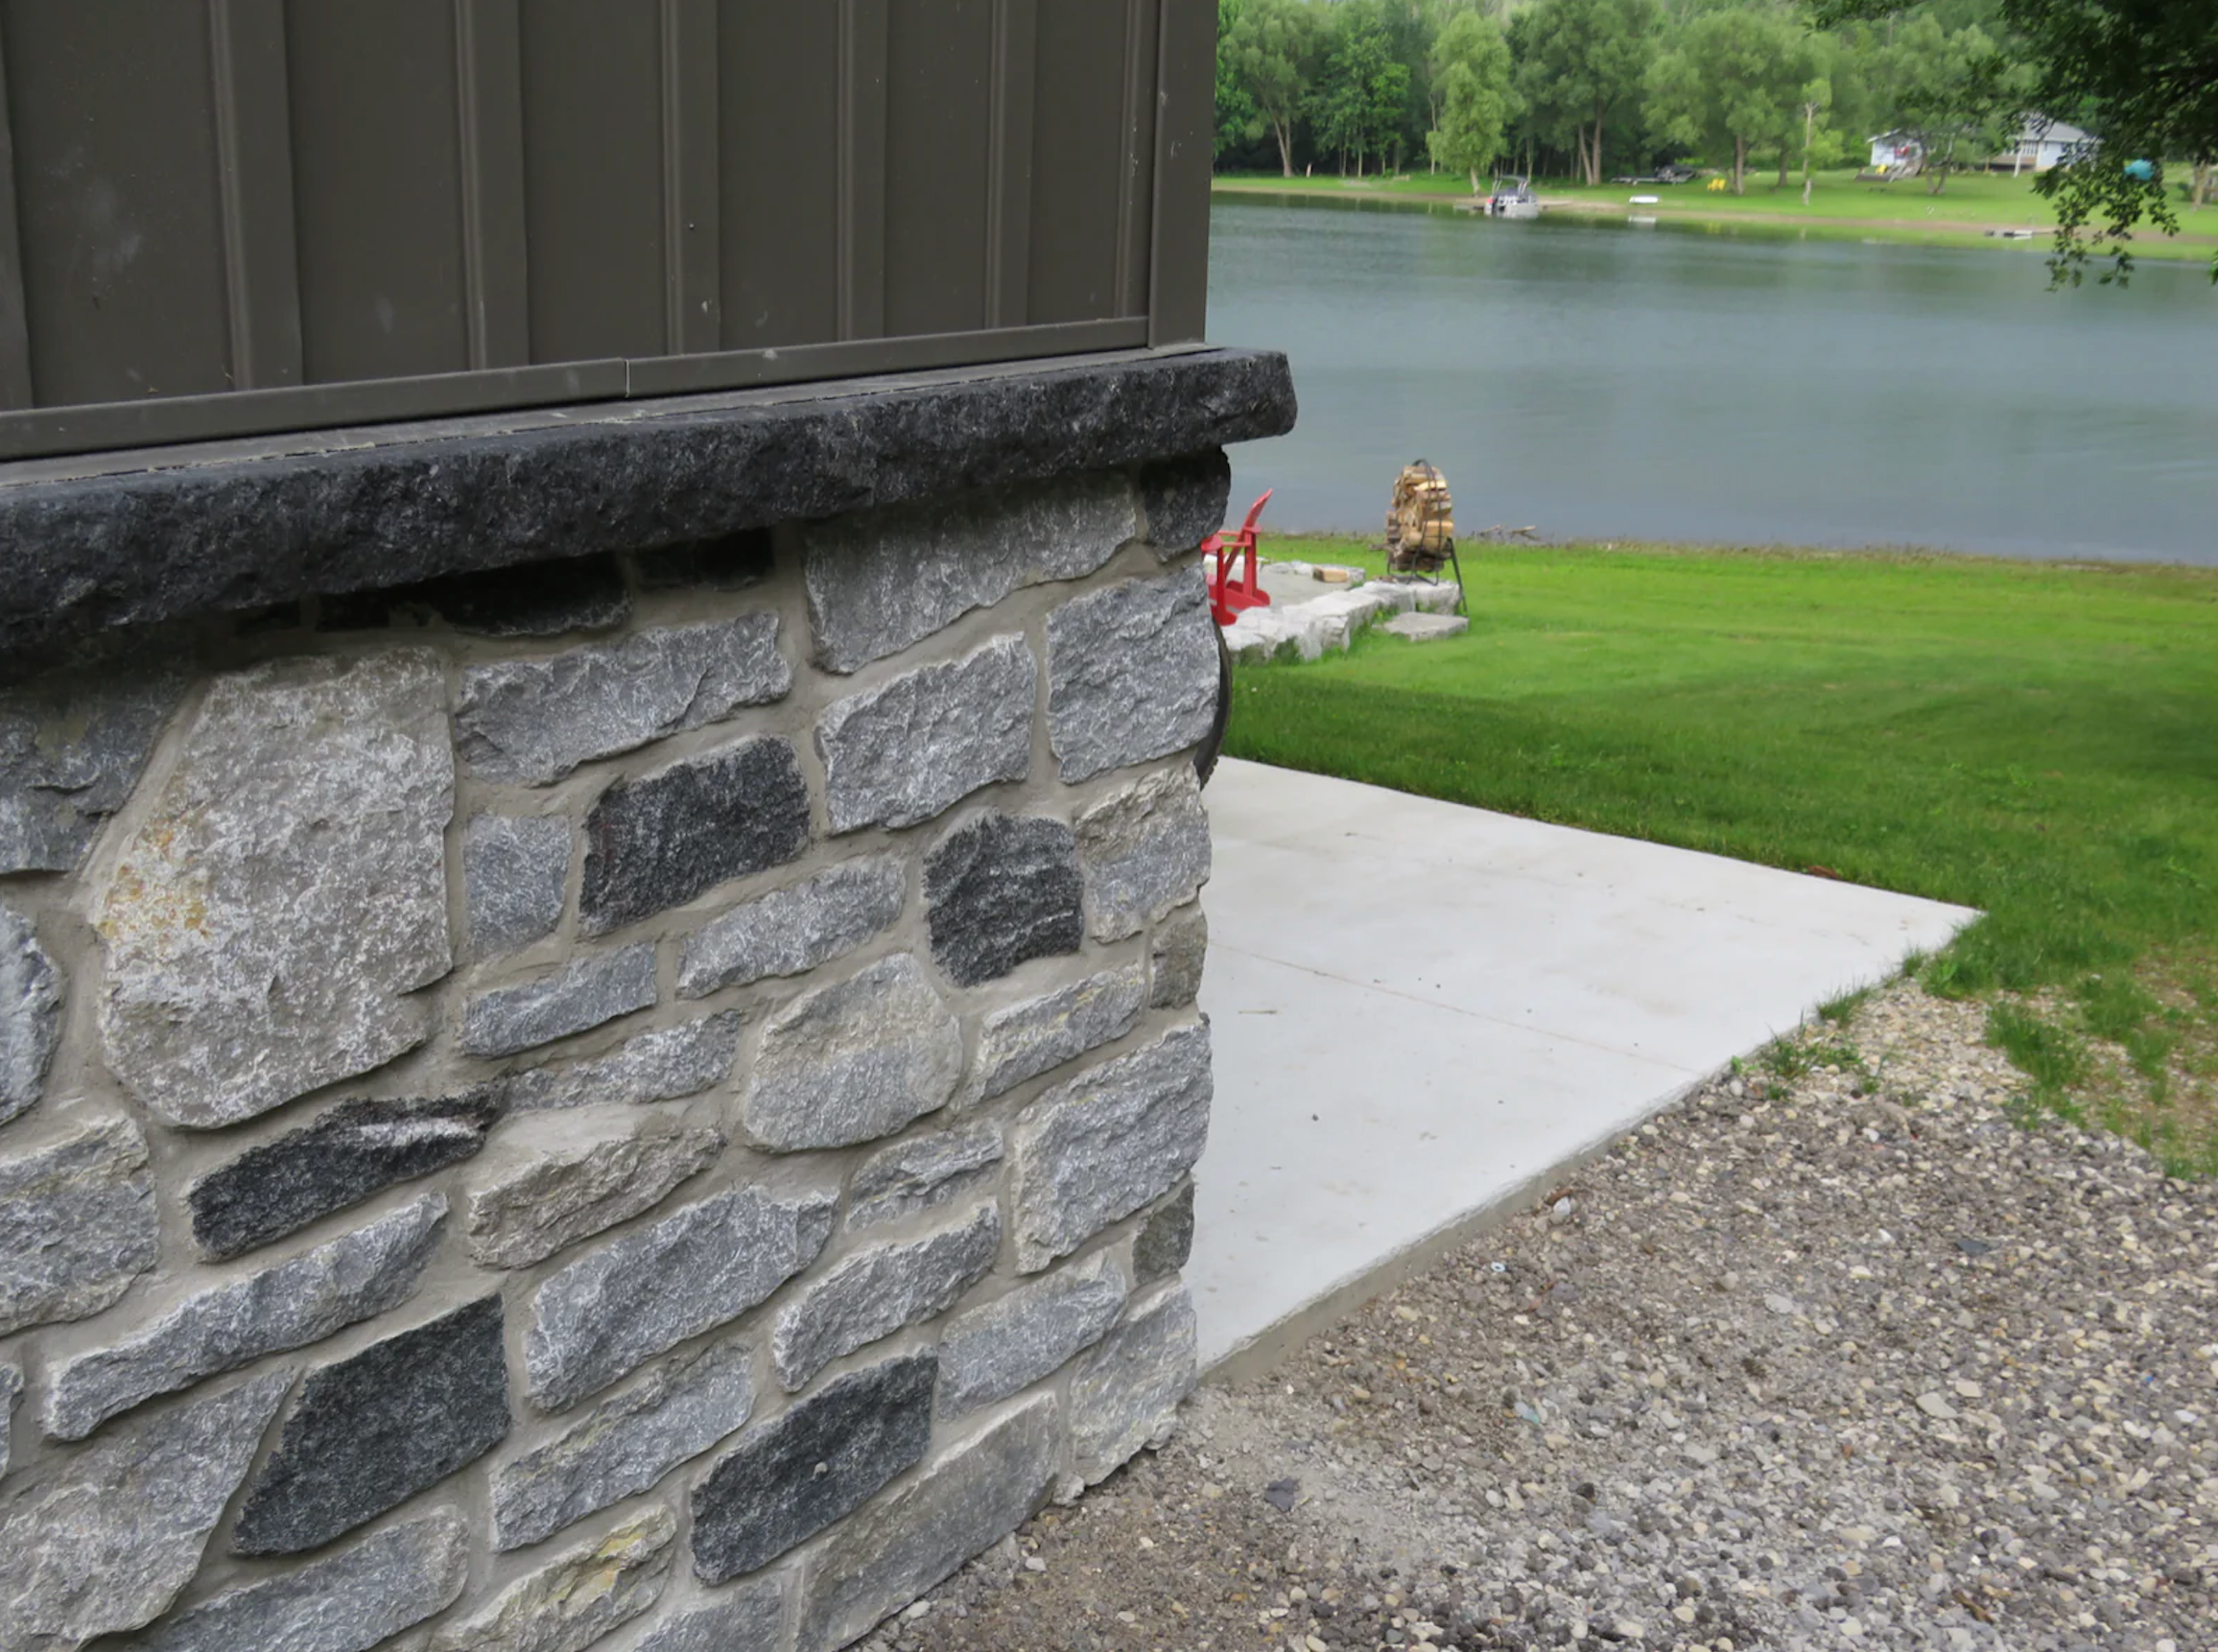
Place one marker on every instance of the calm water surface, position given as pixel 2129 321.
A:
pixel 1607 382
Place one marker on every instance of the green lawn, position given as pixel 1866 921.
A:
pixel 2036 740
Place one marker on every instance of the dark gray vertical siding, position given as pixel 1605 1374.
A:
pixel 361 209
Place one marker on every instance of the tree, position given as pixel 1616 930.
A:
pixel 1583 60
pixel 1237 119
pixel 1733 76
pixel 1955 92
pixel 1360 93
pixel 1471 76
pixel 1270 50
pixel 2141 73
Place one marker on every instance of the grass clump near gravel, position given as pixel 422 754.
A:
pixel 1848 1360
pixel 2033 740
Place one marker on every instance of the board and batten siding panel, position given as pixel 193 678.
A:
pixel 1081 151
pixel 778 172
pixel 939 81
pixel 377 186
pixel 118 208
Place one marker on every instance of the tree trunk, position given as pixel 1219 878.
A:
pixel 2199 185
pixel 1810 137
pixel 1740 166
pixel 1475 180
pixel 1594 166
pixel 1285 131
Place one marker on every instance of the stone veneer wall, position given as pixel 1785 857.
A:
pixel 642 1101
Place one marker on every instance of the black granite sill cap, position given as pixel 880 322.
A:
pixel 92 544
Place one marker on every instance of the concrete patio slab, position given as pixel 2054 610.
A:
pixel 1421 1010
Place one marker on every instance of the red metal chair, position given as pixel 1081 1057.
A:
pixel 1231 587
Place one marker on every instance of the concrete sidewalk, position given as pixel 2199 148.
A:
pixel 1420 1010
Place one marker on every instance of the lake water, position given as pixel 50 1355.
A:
pixel 1597 381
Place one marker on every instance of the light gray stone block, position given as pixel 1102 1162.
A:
pixel 1125 1395
pixel 1142 850
pixel 878 581
pixel 891 1550
pixel 269 922
pixel 294 1302
pixel 853 1061
pixel 30 1014
pixel 553 1180
pixel 569 1605
pixel 71 748
pixel 108 1543
pixel 529 722
pixel 624 1444
pixel 1025 1040
pixel 1004 1347
pixel 580 996
pixel 1107 1141
pixel 1418 627
pixel 77 1224
pixel 921 1173
pixel 750 1617
pixel 905 751
pixel 709 1262
pixel 1132 673
pixel 11 1391
pixel 515 870
pixel 875 1292
pixel 348 1603
pixel 794 930
pixel 659 1066
pixel 1175 959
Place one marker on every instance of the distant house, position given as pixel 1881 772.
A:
pixel 1897 152
pixel 2042 143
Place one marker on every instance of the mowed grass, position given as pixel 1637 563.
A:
pixel 2036 740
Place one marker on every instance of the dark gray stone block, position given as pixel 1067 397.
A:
pixel 808 1467
pixel 1165 1239
pixel 346 1155
pixel 1185 498
pixel 261 522
pixel 1000 890
pixel 730 563
pixel 575 594
pixel 659 841
pixel 71 748
pixel 30 1014
pixel 372 1432
pixel 584 994
pixel 515 869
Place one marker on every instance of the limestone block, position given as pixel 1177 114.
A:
pixel 876 1290
pixel 1132 673
pixel 657 842
pixel 921 1173
pixel 569 1605
pixel 1425 628
pixel 1144 850
pixel 1126 1394
pixel 905 751
pixel 1185 498
pixel 1100 1145
pixel 107 1544
pixel 1175 959
pixel 287 1305
pixel 659 1066
pixel 371 1432
pixel 268 925
pixel 554 1180
pixel 624 1444
pixel 354 1150
pixel 888 1552
pixel 853 1061
pixel 71 747
pixel 691 1271
pixel 1005 1346
pixel 529 722
pixel 348 1603
pixel 750 1617
pixel 879 580
pixel 822 1459
pixel 1027 1039
pixel 581 995
pixel 1001 889
pixel 515 869
pixel 77 1224
pixel 792 931
pixel 1165 1239
pixel 30 1014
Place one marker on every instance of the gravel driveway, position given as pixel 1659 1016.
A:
pixel 1843 1360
